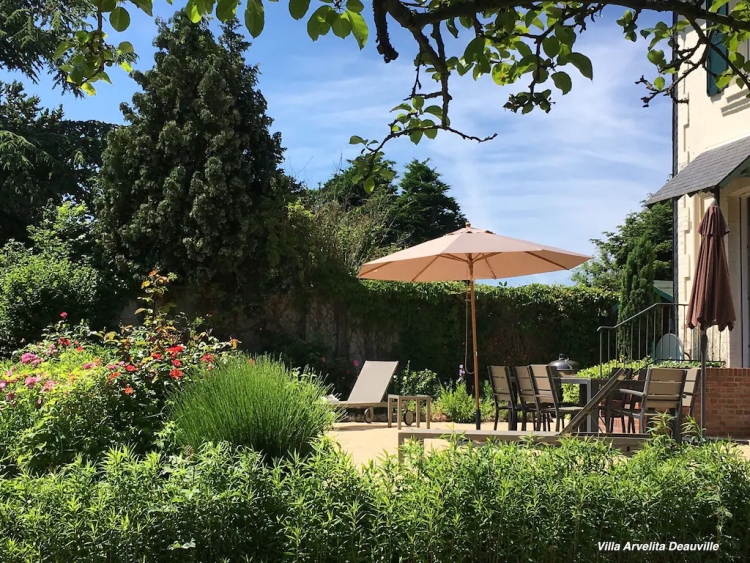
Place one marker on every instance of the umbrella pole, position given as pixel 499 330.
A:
pixel 704 349
pixel 478 412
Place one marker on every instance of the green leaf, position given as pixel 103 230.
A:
pixel 119 18
pixel 126 66
pixel 475 49
pixel 437 111
pixel 298 8
pixel 551 46
pixel 254 17
pixel 723 81
pixel 387 174
pixel 145 5
pixel 193 12
pixel 341 26
pixel 562 81
pixel 430 133
pixel 62 49
pixel 125 47
pixel 317 21
pixel 500 74
pixel 103 76
pixel 659 83
pixel 227 9
pixel 415 137
pixel 582 63
pixel 88 88
pixel 451 25
pixel 718 4
pixel 369 184
pixel 356 140
pixel 418 102
pixel 107 5
pixel 565 34
pixel 354 6
pixel 523 49
pixel 359 28
pixel 656 57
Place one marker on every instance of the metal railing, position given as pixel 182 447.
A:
pixel 659 333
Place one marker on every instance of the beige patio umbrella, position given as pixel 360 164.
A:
pixel 470 254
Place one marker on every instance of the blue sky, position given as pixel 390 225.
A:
pixel 558 179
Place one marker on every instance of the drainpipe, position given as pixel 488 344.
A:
pixel 675 159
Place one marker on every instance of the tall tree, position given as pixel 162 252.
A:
pixel 637 289
pixel 654 223
pixel 44 159
pixel 349 190
pixel 424 210
pixel 192 184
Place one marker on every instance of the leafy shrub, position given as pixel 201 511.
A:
pixel 58 403
pixel 511 502
pixel 80 393
pixel 422 382
pixel 49 276
pixel 606 368
pixel 258 403
pixel 458 405
pixel 156 358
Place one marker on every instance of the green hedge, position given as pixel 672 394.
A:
pixel 515 326
pixel 462 505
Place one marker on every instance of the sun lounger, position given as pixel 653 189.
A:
pixel 369 389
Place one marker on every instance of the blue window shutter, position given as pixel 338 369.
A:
pixel 715 64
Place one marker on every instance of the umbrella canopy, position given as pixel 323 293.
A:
pixel 711 299
pixel 470 254
pixel 451 257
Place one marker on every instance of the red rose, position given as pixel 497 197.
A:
pixel 176 363
pixel 131 369
pixel 79 349
pixel 156 356
pixel 175 374
pixel 128 390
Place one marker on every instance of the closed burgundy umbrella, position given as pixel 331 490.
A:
pixel 711 299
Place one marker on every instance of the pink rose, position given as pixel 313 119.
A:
pixel 48 385
pixel 64 315
pixel 3 384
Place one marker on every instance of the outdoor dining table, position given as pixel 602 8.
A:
pixel 589 387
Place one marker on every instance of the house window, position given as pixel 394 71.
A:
pixel 716 64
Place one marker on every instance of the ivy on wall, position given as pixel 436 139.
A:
pixel 425 325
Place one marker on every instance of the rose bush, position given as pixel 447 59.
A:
pixel 79 392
